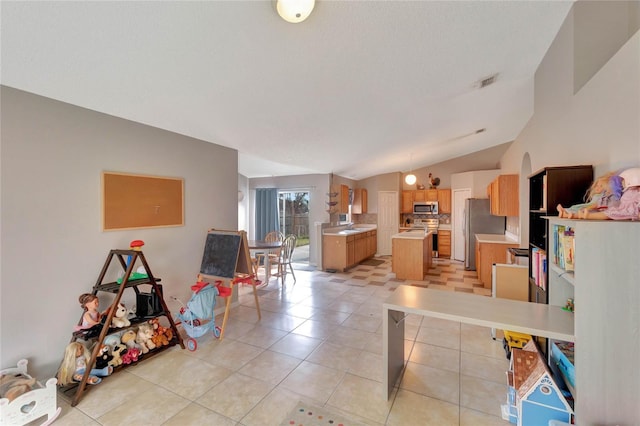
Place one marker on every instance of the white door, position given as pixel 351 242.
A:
pixel 388 220
pixel 457 228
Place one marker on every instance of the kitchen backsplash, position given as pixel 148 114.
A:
pixel 444 218
pixel 367 218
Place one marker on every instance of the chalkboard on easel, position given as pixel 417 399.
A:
pixel 225 253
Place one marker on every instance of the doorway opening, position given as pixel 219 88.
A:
pixel 293 211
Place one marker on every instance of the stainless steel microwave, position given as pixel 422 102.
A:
pixel 425 207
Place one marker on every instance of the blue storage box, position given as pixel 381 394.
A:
pixel 562 357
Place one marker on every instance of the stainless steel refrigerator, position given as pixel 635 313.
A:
pixel 478 220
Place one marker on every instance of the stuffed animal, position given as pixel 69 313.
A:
pixel 130 356
pixel 120 317
pixel 143 337
pixel 104 358
pixel 117 351
pixel 129 339
pixel 12 386
pixel 160 335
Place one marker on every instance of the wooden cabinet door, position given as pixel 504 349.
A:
pixel 419 195
pixel 431 195
pixel 361 247
pixel 344 199
pixel 407 201
pixel 373 243
pixel 444 244
pixel 351 251
pixel 359 205
pixel 334 252
pixel 444 201
pixel 503 196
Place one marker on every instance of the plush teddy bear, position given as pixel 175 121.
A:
pixel 120 317
pixel 143 337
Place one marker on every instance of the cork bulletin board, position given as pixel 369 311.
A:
pixel 138 201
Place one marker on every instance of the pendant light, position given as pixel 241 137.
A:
pixel 410 179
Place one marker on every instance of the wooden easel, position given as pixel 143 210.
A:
pixel 226 255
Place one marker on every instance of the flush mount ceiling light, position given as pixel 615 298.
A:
pixel 294 11
pixel 410 179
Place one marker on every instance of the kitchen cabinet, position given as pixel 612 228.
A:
pixel 407 201
pixel 425 195
pixel 503 195
pixel 360 200
pixel 339 199
pixel 362 246
pixel 338 251
pixel 431 195
pixel 444 244
pixel 490 249
pixel 373 243
pixel 341 252
pixel 444 201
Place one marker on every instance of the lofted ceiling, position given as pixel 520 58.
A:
pixel 360 88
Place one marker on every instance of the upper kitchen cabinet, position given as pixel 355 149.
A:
pixel 503 193
pixel 360 201
pixel 425 195
pixel 431 195
pixel 339 199
pixel 444 201
pixel 407 201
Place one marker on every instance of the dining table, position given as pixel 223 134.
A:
pixel 264 246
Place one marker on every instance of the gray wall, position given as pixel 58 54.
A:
pixel 52 243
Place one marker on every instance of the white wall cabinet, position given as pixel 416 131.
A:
pixel 605 285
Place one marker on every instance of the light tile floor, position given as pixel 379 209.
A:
pixel 319 341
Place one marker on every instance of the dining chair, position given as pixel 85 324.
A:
pixel 264 259
pixel 286 257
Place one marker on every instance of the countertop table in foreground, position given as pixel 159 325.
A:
pixel 524 317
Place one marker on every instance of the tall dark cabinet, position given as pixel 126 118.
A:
pixel 549 187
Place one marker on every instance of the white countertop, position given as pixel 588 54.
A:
pixel 524 317
pixel 356 229
pixel 414 234
pixel 495 238
pixel 444 227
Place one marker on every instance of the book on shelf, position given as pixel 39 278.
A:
pixel 539 267
pixel 568 244
pixel 563 247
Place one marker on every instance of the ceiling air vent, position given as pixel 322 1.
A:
pixel 487 81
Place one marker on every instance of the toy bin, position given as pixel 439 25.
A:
pixel 562 357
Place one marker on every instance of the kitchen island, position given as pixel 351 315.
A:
pixel 411 254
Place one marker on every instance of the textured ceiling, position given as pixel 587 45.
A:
pixel 360 88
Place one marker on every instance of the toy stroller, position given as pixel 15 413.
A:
pixel 197 317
